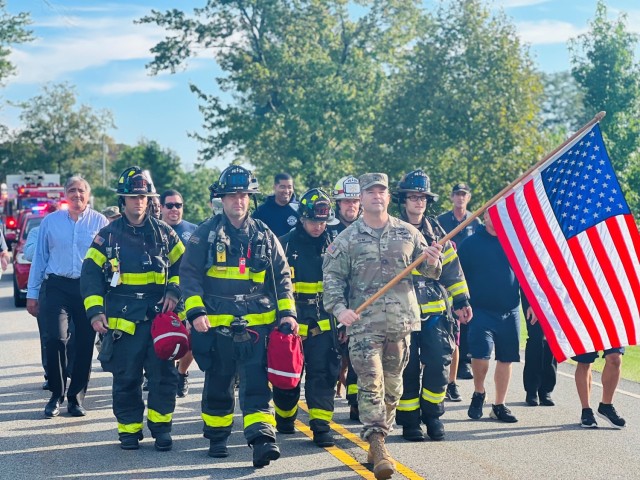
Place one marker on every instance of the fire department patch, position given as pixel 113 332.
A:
pixel 98 239
pixel 193 239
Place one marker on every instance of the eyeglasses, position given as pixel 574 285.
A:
pixel 417 198
pixel 170 205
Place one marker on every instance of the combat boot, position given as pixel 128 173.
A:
pixel 383 466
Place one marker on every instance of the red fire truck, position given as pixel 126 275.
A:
pixel 27 193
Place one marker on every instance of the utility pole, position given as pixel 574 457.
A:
pixel 105 150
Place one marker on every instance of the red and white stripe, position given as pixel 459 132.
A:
pixel 583 289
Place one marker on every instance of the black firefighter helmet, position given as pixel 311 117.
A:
pixel 133 182
pixel 315 205
pixel 234 179
pixel 415 181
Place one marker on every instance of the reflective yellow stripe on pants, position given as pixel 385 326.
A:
pixel 259 417
pixel 216 421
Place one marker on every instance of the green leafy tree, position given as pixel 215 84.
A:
pixel 59 135
pixel 563 108
pixel 302 81
pixel 604 65
pixel 194 188
pixel 13 30
pixel 466 105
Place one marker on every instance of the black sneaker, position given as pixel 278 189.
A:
pixel 183 384
pixel 587 420
pixel 453 395
pixel 475 409
pixel 606 411
pixel 501 412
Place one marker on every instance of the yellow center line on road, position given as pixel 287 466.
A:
pixel 402 469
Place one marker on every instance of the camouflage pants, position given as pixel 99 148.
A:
pixel 378 359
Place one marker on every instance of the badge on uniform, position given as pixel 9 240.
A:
pixel 221 253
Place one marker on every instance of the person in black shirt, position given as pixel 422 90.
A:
pixel 280 210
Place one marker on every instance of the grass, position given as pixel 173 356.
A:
pixel 630 359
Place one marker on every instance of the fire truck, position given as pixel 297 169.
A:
pixel 27 193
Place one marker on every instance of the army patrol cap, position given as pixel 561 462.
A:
pixel 369 180
pixel 461 187
pixel 111 212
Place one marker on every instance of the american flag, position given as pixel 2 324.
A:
pixel 574 246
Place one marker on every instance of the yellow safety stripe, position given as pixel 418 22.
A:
pixel 458 288
pixel 182 315
pixel 415 272
pixel 436 306
pixel 175 279
pixel 233 273
pixel 449 256
pixel 259 417
pixel 217 421
pixel 253 319
pixel 145 278
pixel 408 405
pixel 432 397
pixel 123 325
pixel 157 417
pixel 286 413
pixel 352 389
pixel 286 304
pixel 129 427
pixel 319 414
pixel 325 325
pixel 305 287
pixel 303 329
pixel 93 301
pixel 176 252
pixel 96 256
pixel 193 302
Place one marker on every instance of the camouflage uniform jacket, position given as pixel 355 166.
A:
pixel 360 262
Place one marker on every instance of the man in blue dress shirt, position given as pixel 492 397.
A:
pixel 63 240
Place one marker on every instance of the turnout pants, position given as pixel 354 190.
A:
pixel 540 367
pixel 378 359
pixel 214 353
pixel 126 357
pixel 321 366
pixel 432 348
pixel 63 304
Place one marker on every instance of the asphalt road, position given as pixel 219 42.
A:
pixel 547 442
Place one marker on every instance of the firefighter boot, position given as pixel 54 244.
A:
pixel 413 434
pixel 354 413
pixel 218 449
pixel 383 466
pixel 264 451
pixel 435 428
pixel 163 441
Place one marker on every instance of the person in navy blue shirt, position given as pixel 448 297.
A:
pixel 280 210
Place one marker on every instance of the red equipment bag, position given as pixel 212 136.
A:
pixel 285 359
pixel 170 337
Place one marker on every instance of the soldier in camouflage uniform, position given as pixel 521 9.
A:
pixel 364 258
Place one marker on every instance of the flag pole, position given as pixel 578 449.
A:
pixel 599 116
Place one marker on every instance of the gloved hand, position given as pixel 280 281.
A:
pixel 242 342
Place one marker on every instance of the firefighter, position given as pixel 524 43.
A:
pixel 237 288
pixel 304 246
pixel 433 345
pixel 129 275
pixel 346 194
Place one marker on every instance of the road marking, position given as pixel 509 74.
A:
pixel 618 390
pixel 402 469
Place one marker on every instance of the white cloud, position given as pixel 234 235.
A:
pixel 547 32
pixel 73 44
pixel 138 83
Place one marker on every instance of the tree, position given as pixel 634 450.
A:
pixel 604 66
pixel 563 108
pixel 12 31
pixel 303 80
pixel 60 135
pixel 465 106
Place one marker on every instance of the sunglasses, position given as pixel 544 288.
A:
pixel 170 205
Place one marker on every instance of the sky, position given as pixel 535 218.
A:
pixel 96 47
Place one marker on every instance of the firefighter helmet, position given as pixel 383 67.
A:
pixel 133 182
pixel 316 205
pixel 416 181
pixel 346 187
pixel 234 179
